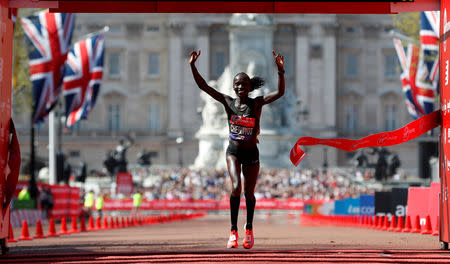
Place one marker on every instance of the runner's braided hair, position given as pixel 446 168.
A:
pixel 256 82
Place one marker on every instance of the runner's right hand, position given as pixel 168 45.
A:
pixel 194 56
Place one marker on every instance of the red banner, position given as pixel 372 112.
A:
pixel 13 162
pixel 272 204
pixel 444 147
pixel 61 198
pixel 406 133
pixel 66 199
pixel 124 182
pixel 418 202
pixel 433 202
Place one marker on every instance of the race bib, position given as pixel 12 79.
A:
pixel 241 128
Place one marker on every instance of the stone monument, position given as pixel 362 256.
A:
pixel 251 45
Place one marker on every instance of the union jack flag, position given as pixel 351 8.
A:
pixel 409 59
pixel 13 13
pixel 427 74
pixel 82 77
pixel 429 41
pixel 50 35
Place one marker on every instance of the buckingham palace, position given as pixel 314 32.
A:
pixel 342 81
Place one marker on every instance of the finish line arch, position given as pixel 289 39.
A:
pixel 214 6
pixel 234 6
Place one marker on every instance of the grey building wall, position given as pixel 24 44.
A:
pixel 316 49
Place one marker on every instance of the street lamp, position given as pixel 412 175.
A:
pixel 325 159
pixel 179 141
pixel 301 111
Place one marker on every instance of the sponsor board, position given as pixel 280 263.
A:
pixel 367 204
pixel 444 151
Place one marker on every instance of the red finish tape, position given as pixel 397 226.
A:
pixel 383 139
pixel 13 164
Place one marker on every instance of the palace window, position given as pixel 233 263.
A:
pixel 154 118
pixel 351 118
pixel 390 117
pixel 390 66
pixel 114 117
pixel 218 63
pixel 114 64
pixel 351 69
pixel 153 64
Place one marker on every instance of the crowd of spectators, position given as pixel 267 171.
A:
pixel 189 184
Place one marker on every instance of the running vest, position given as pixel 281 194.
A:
pixel 243 124
pixel 137 199
pixel 89 200
pixel 99 203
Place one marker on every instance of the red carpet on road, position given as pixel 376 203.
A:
pixel 279 238
pixel 331 256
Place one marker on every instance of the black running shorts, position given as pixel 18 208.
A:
pixel 246 156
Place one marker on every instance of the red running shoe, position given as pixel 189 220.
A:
pixel 249 239
pixel 232 241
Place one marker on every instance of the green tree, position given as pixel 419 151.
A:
pixel 407 23
pixel 22 91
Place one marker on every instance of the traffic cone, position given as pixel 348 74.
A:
pixel 366 221
pixel 11 234
pixel 63 229
pixel 375 222
pixel 138 220
pixel 370 222
pixel 416 228
pixel 98 224
pixel 91 224
pixel 380 223
pixel 122 222
pixel 407 227
pixel 74 226
pixel 436 228
pixel 51 228
pixel 82 224
pixel 399 227
pixel 392 225
pixel 362 220
pixel 25 234
pixel 427 229
pixel 39 232
pixel 105 222
pixel 386 223
pixel 111 222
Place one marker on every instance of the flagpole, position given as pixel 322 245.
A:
pixel 32 183
pixel 59 152
pixel 52 134
pixel 402 36
pixel 104 30
pixel 51 148
pixel 32 157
